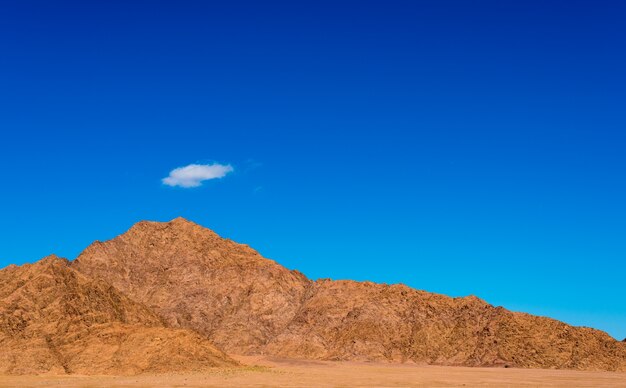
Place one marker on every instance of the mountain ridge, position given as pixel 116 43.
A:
pixel 172 296
pixel 247 304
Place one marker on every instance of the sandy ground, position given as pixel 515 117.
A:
pixel 294 373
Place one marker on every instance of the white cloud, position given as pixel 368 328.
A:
pixel 194 174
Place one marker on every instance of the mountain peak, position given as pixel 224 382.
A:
pixel 52 259
pixel 178 223
pixel 182 221
pixel 185 265
pixel 150 246
pixel 44 265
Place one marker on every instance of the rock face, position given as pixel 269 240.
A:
pixel 345 320
pixel 55 320
pixel 245 303
pixel 195 279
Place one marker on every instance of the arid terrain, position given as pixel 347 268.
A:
pixel 265 372
pixel 247 304
pixel 174 304
pixel 54 320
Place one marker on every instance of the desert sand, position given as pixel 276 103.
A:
pixel 271 372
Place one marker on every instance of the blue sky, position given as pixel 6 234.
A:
pixel 458 147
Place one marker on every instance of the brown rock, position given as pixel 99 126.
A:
pixel 248 304
pixel 196 279
pixel 346 320
pixel 55 320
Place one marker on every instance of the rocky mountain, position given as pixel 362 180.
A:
pixel 55 320
pixel 245 303
pixel 345 320
pixel 196 279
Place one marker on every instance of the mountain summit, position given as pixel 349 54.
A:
pixel 195 279
pixel 247 304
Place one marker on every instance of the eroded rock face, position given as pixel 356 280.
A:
pixel 55 320
pixel 196 279
pixel 345 320
pixel 248 304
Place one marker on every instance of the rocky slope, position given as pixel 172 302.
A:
pixel 248 304
pixel 345 320
pixel 55 320
pixel 198 280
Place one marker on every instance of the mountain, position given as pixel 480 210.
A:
pixel 56 320
pixel 196 279
pixel 247 304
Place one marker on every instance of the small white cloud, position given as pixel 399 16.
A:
pixel 194 174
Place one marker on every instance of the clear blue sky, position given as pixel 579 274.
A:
pixel 466 147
